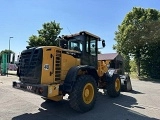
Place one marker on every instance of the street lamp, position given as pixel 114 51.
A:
pixel 8 56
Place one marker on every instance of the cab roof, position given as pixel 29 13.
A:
pixel 80 33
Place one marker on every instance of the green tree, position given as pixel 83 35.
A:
pixel 150 61
pixel 46 36
pixel 126 60
pixel 134 34
pixel 133 65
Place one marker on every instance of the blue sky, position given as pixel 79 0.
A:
pixel 22 18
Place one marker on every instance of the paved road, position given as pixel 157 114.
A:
pixel 140 104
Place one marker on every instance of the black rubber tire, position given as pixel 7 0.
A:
pixel 127 86
pixel 76 96
pixel 111 90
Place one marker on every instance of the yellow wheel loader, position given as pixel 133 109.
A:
pixel 72 68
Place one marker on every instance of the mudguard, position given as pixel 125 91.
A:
pixel 72 75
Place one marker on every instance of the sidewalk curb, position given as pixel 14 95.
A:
pixel 8 74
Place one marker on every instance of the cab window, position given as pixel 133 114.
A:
pixel 91 45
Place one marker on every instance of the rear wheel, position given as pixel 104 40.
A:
pixel 114 86
pixel 83 95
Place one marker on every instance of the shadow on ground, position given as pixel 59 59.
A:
pixel 105 109
pixel 135 92
pixel 149 79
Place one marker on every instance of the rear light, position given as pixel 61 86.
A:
pixel 40 90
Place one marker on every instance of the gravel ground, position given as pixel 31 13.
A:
pixel 140 104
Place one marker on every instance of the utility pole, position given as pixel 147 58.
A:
pixel 8 56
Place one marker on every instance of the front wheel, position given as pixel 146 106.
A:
pixel 83 95
pixel 114 86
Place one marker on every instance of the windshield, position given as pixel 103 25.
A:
pixel 76 43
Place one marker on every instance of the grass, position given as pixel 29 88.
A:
pixel 133 75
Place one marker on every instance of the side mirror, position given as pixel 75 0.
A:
pixel 103 43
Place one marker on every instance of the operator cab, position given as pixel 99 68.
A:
pixel 86 44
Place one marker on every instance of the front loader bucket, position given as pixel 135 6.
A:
pixel 125 83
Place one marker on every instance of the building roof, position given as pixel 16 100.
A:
pixel 107 56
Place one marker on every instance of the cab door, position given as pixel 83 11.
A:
pixel 89 55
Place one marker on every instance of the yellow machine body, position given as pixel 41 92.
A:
pixel 55 66
pixel 45 68
pixel 102 67
pixel 71 68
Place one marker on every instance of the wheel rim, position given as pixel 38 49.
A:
pixel 117 84
pixel 88 93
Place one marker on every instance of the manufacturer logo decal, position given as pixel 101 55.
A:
pixel 46 67
pixel 29 88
